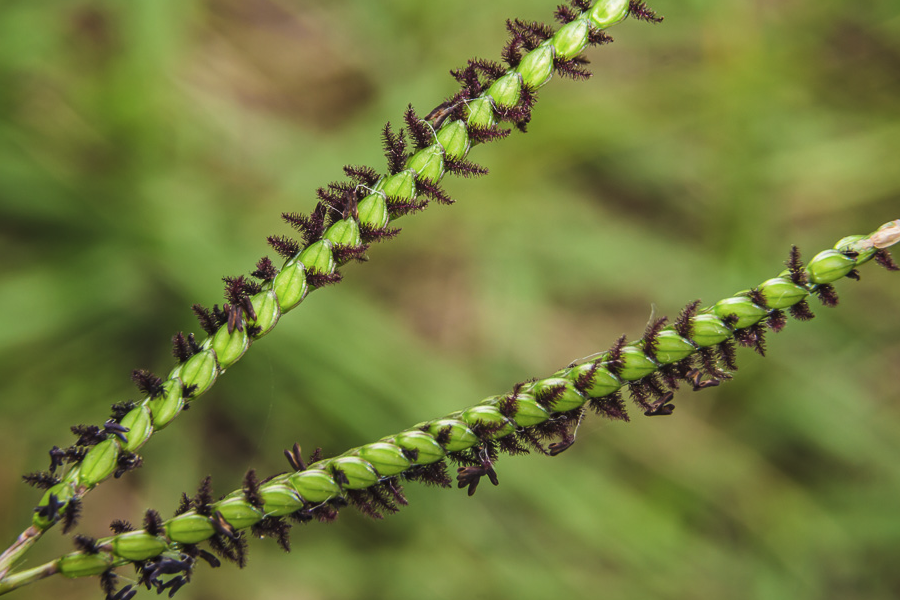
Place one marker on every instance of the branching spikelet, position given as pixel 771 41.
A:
pixel 884 258
pixel 827 294
pixel 250 489
pixel 120 526
pixel 651 334
pixel 40 480
pixel 614 356
pixel 285 247
pixel 265 270
pixel 153 523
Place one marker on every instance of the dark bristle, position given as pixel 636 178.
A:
pixel 120 409
pixel 362 175
pixel 727 354
pixel 120 526
pixel 464 168
pixel 184 505
pixel 203 498
pixel 433 191
pixel 71 514
pixel 650 336
pixel 752 337
pixel 828 296
pixel 683 324
pixel 285 247
pixel 239 288
pixel 153 523
pixel 710 362
pixel 207 319
pixel 548 396
pixel 148 383
pixel 108 582
pixel 88 435
pixel 598 37
pixel 614 362
pixel 265 270
pixel 883 257
pixel 274 527
pixel 232 549
pixel 757 298
pixel 371 234
pixel 181 349
pixel 85 544
pixel 127 461
pixel 344 254
pixel 318 279
pixel 776 320
pixel 795 267
pixel 250 489
pixel 586 379
pixel 419 132
pixel 580 5
pixel 564 14
pixel 434 474
pixel 642 12
pixel 801 311
pixel 40 480
pixel 394 149
pixel 573 68
pixel 483 135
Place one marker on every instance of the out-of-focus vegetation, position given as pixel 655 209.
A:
pixel 148 147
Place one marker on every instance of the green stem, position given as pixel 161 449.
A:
pixel 22 544
pixel 369 475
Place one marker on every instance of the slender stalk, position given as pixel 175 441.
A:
pixel 12 554
pixel 349 216
pixel 697 348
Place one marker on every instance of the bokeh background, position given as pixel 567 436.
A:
pixel 148 147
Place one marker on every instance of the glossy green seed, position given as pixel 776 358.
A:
pixel 671 347
pixel 782 293
pixel 314 485
pixel 400 186
pixel 280 500
pixel 506 91
pixel 238 512
pixel 189 528
pixel 428 163
pixel 571 39
pixel 567 399
pixel 536 67
pixel 230 347
pixel 199 372
pixel 359 473
pixel 318 257
pixel 828 266
pixel 290 285
pixel 63 492
pixel 607 13
pixel 481 113
pixel 137 545
pixel 708 330
pixel 265 305
pixel 460 436
pixel 387 459
pixel 742 308
pixel 424 445
pixel 140 427
pixel 373 211
pixel 490 417
pixel 636 364
pixel 100 462
pixel 168 405
pixel 859 244
pixel 79 564
pixel 454 138
pixel 344 233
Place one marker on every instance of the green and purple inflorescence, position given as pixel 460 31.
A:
pixel 348 217
pixel 698 348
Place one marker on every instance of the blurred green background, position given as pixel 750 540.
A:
pixel 148 147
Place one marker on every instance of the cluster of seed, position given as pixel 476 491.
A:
pixel 349 216
pixel 698 348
